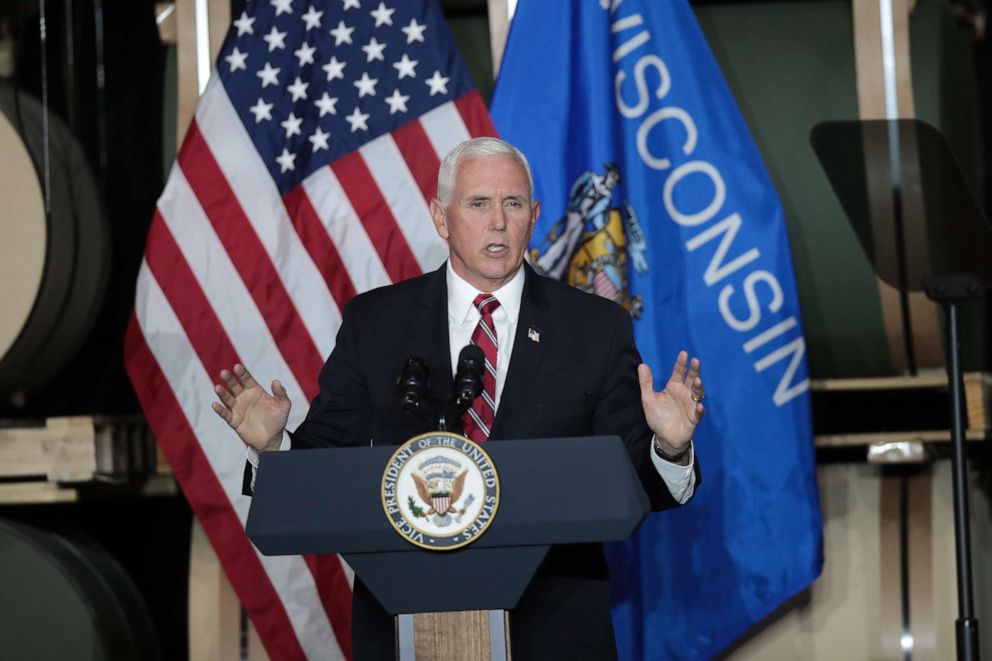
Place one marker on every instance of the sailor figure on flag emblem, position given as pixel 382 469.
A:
pixel 590 245
pixel 440 482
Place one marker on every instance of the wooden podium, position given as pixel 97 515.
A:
pixel 553 491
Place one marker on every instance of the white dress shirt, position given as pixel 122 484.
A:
pixel 463 317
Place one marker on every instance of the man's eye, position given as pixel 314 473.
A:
pixel 478 204
pixel 513 204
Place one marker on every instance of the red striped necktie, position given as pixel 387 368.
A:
pixel 478 420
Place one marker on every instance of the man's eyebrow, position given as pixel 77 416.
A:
pixel 481 197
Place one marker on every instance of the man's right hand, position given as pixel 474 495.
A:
pixel 258 417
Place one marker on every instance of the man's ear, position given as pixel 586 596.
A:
pixel 438 216
pixel 535 213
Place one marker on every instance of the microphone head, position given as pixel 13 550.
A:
pixel 412 384
pixel 469 375
pixel 471 356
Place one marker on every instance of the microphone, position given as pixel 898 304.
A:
pixel 468 376
pixel 412 385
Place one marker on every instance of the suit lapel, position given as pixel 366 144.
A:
pixel 430 333
pixel 525 362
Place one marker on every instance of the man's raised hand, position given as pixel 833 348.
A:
pixel 258 417
pixel 673 413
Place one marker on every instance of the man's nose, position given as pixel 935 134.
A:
pixel 497 220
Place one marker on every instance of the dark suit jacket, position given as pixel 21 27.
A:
pixel 579 379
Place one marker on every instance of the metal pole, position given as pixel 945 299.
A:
pixel 967 625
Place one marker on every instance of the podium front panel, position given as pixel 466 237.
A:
pixel 553 491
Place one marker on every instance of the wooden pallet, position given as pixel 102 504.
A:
pixel 51 460
pixel 894 409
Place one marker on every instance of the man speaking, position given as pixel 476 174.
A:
pixel 560 362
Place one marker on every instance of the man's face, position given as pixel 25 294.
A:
pixel 489 220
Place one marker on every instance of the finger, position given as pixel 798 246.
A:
pixel 245 377
pixel 231 381
pixel 697 389
pixel 221 411
pixel 647 380
pixel 279 390
pixel 678 372
pixel 218 387
pixel 700 412
pixel 693 371
pixel 224 395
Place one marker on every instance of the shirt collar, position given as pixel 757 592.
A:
pixel 461 295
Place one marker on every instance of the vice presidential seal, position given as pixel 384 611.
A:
pixel 440 491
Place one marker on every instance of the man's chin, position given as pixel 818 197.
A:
pixel 496 278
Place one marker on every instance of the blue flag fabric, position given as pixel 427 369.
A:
pixel 654 195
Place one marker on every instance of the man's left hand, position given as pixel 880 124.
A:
pixel 673 413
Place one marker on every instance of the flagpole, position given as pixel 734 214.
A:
pixel 200 26
pixel 500 13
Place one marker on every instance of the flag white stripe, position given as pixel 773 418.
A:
pixel 349 573
pixel 405 201
pixel 226 291
pixel 262 204
pixel 346 231
pixel 444 128
pixel 189 381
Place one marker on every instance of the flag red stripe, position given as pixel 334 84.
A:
pixel 475 115
pixel 376 217
pixel 211 343
pixel 248 254
pixel 335 595
pixel 418 152
pixel 208 500
pixel 317 242
pixel 181 288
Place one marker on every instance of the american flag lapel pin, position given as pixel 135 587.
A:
pixel 534 335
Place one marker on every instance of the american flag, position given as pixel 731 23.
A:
pixel 304 178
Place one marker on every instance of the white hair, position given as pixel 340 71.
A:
pixel 476 148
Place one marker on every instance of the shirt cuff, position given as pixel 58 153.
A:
pixel 680 480
pixel 285 444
